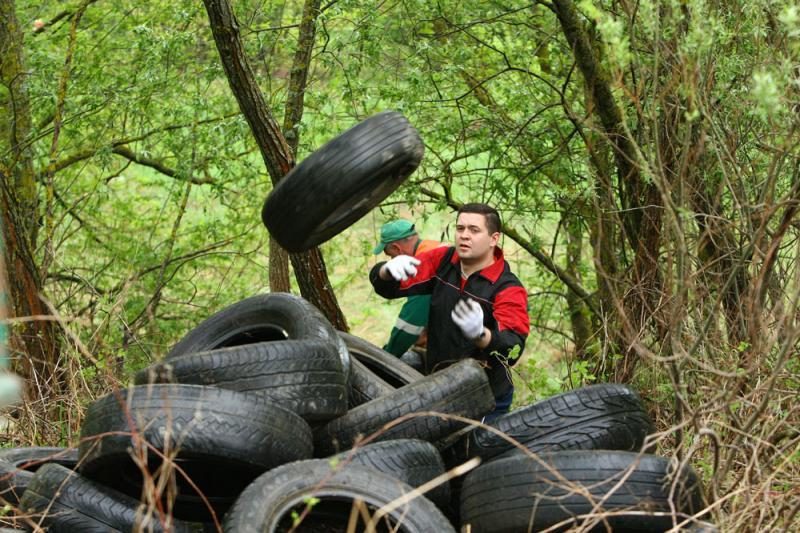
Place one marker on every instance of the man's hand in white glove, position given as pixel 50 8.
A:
pixel 468 315
pixel 400 268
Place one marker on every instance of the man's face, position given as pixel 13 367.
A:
pixel 403 247
pixel 473 240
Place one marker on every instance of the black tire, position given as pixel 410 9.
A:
pixel 265 317
pixel 523 494
pixel 304 376
pixel 364 385
pixel 64 502
pixel 383 364
pixel 267 504
pixel 17 466
pixel 223 440
pixel 342 181
pixel 413 462
pixel 597 417
pixel 461 389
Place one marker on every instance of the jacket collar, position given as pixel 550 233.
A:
pixel 491 272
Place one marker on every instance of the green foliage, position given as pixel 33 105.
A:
pixel 535 381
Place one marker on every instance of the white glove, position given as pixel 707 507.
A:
pixel 468 315
pixel 402 267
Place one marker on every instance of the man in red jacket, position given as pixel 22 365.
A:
pixel 479 308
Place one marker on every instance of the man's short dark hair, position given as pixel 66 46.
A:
pixel 491 215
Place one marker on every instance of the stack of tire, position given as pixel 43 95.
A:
pixel 264 418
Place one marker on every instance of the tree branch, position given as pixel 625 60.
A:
pixel 607 110
pixel 277 156
pixel 129 154
pixel 91 152
pixel 310 270
pixel 43 26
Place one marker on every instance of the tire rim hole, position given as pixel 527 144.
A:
pixel 263 333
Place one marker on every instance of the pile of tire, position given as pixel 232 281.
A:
pixel 265 418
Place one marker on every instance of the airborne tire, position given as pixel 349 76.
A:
pixel 342 181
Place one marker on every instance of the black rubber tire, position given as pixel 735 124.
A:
pixel 266 505
pixel 261 318
pixel 461 389
pixel 17 466
pixel 521 494
pixel 364 385
pixel 597 417
pixel 223 438
pixel 412 461
pixel 342 181
pixel 383 364
pixel 63 501
pixel 304 376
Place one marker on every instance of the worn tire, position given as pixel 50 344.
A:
pixel 364 385
pixel 223 439
pixel 597 417
pixel 17 466
pixel 461 389
pixel 342 181
pixel 304 376
pixel 267 504
pixel 265 317
pixel 62 501
pixel 523 494
pixel 383 364
pixel 412 461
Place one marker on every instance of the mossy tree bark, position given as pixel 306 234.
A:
pixel 34 342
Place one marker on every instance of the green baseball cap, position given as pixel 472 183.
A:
pixel 394 231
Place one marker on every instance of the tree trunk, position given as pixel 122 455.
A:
pixel 309 267
pixel 640 202
pixel 579 316
pixel 34 343
pixel 293 114
pixel 605 239
pixel 278 268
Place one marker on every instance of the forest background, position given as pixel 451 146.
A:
pixel 644 157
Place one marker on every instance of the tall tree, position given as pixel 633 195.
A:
pixel 34 341
pixel 640 200
pixel 278 156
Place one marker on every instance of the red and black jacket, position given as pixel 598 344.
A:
pixel 501 295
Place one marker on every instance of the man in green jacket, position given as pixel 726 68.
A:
pixel 399 237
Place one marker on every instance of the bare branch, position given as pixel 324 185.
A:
pixel 127 153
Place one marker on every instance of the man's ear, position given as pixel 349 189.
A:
pixel 495 238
